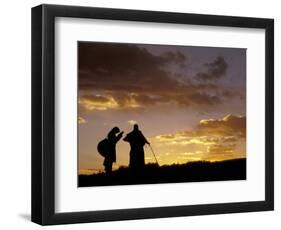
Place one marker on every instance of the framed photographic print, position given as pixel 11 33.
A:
pixel 142 114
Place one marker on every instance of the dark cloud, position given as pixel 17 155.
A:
pixel 177 57
pixel 205 99
pixel 125 67
pixel 128 76
pixel 215 70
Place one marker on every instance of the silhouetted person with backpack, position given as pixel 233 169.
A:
pixel 107 148
pixel 136 140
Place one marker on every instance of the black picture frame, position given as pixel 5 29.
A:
pixel 43 114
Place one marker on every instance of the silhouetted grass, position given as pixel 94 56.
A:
pixel 152 174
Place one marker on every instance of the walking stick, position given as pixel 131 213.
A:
pixel 153 154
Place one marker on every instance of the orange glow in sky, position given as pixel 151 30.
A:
pixel 189 102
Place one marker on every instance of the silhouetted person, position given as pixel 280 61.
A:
pixel 136 140
pixel 110 156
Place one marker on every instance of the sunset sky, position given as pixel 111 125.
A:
pixel 189 102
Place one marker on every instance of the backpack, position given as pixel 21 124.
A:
pixel 103 147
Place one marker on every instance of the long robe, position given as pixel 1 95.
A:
pixel 136 140
pixel 111 150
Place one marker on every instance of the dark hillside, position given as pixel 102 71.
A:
pixel 152 173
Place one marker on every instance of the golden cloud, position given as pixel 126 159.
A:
pixel 97 102
pixel 105 102
pixel 132 122
pixel 210 131
pixel 182 139
pixel 81 120
pixel 230 125
pixel 211 139
pixel 220 149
